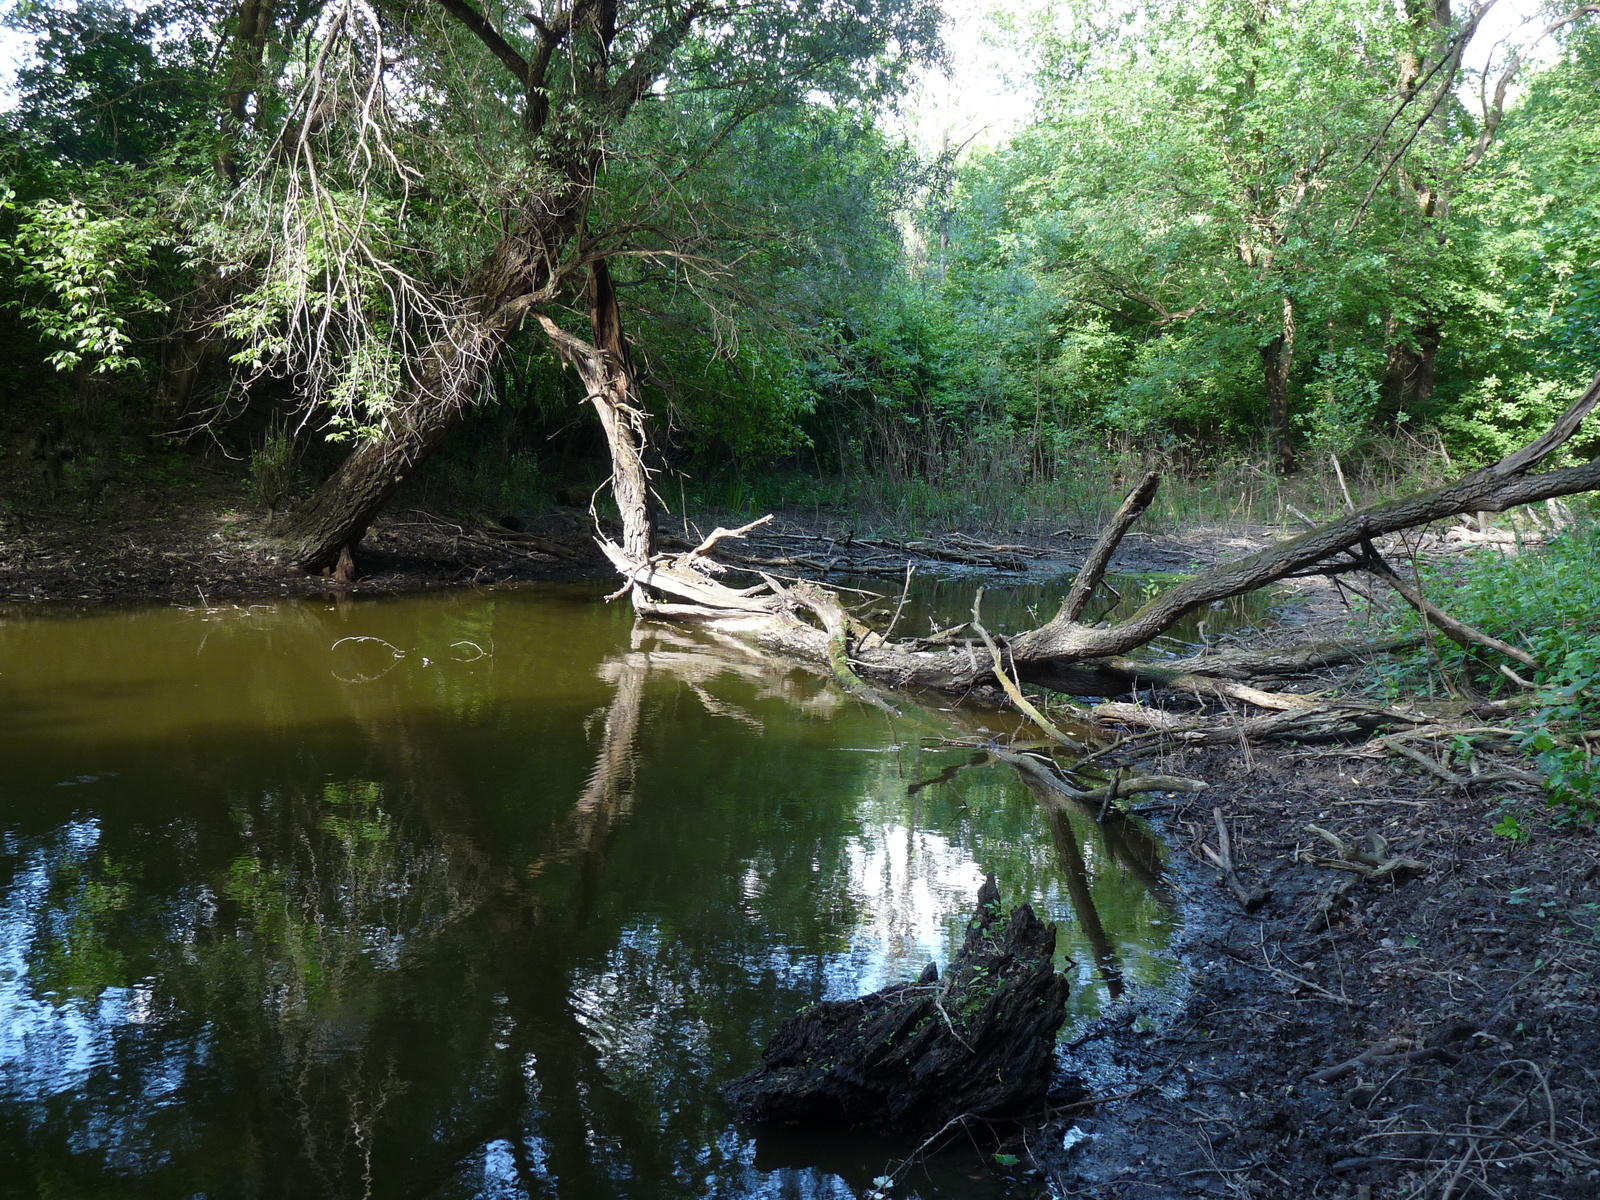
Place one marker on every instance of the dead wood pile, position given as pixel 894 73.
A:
pixel 1065 654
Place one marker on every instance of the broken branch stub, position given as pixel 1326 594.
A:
pixel 1099 558
pixel 978 1042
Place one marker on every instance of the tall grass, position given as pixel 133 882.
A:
pixel 999 483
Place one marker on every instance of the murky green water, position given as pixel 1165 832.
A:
pixel 479 894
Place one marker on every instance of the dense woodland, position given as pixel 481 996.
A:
pixel 1230 233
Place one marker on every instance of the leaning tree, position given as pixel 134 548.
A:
pixel 439 176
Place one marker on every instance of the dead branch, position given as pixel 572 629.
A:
pixel 1290 661
pixel 1434 767
pixel 715 536
pixel 533 541
pixel 1053 786
pixel 1395 1051
pixel 1011 689
pixel 1322 723
pixel 1094 566
pixel 1068 656
pixel 1375 863
pixel 1249 899
pixel 1456 630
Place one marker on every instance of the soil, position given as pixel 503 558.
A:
pixel 182 527
pixel 194 536
pixel 1472 988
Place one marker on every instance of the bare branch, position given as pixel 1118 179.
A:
pixel 1493 113
pixel 1094 566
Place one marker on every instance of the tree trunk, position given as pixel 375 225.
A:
pixel 1069 656
pixel 606 368
pixel 338 514
pixel 1408 370
pixel 442 389
pixel 1277 360
pixel 254 26
pixel 916 1057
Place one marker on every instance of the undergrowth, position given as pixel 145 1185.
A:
pixel 997 485
pixel 1547 601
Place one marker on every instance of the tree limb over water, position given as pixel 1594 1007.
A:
pixel 1064 654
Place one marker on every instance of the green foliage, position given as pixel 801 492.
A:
pixel 1548 602
pixel 110 82
pixel 82 278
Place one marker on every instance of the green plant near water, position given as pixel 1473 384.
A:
pixel 274 467
pixel 1547 601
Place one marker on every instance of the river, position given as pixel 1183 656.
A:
pixel 479 894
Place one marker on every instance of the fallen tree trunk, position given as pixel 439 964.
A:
pixel 1064 654
pixel 911 1058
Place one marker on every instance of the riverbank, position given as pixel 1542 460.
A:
pixel 1426 1038
pixel 195 533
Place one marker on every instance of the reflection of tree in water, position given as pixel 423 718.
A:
pixel 331 903
pixel 1125 843
pixel 404 988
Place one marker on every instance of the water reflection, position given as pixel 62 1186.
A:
pixel 404 917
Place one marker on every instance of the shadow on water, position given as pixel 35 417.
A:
pixel 476 895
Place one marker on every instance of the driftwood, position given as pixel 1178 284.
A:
pixel 1374 863
pixel 1342 721
pixel 911 1058
pixel 1064 654
pixel 1386 1054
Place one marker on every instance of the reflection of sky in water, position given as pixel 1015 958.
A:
pixel 45 1049
pixel 53 1047
pixel 736 876
pixel 912 884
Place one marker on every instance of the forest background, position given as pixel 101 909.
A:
pixel 1229 237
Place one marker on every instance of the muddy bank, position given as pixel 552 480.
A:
pixel 203 538
pixel 1432 1038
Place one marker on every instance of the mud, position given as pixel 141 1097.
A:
pixel 1471 989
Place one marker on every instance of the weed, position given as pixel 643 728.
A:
pixel 1548 602
pixel 274 466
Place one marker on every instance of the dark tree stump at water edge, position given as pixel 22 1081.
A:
pixel 910 1058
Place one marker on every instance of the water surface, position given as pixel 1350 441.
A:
pixel 478 894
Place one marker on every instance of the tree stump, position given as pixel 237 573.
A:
pixel 912 1057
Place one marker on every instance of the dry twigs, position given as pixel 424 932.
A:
pixel 1375 863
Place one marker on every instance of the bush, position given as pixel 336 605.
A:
pixel 1548 602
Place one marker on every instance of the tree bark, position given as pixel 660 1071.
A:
pixel 1277 361
pixel 916 1057
pixel 1408 370
pixel 606 368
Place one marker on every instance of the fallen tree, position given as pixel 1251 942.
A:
pixel 1064 654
